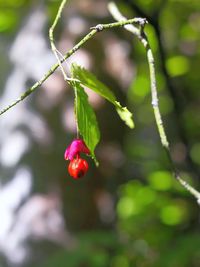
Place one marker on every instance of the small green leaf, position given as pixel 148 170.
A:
pixel 125 115
pixel 86 119
pixel 89 80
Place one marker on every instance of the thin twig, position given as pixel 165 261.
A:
pixel 64 61
pixel 177 98
pixel 67 55
pixel 51 38
pixel 150 58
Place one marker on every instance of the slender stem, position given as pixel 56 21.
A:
pixel 150 58
pixel 76 112
pixel 177 98
pixel 57 53
pixel 51 38
pixel 67 55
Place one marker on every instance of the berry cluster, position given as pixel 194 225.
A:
pixel 77 167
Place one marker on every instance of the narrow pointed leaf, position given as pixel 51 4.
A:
pixel 89 80
pixel 125 115
pixel 86 119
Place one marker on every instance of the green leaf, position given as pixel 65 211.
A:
pixel 125 115
pixel 89 80
pixel 86 119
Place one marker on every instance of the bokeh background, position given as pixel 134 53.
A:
pixel 130 211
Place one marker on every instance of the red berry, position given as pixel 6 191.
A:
pixel 77 168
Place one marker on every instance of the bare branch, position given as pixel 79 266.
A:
pixel 163 137
pixel 68 54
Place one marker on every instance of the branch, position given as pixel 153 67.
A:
pixel 51 38
pixel 139 11
pixel 153 19
pixel 86 38
pixel 163 137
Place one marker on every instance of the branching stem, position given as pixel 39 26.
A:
pixel 127 24
pixel 150 58
pixel 51 38
pixel 67 55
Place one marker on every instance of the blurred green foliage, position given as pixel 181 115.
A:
pixel 9 18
